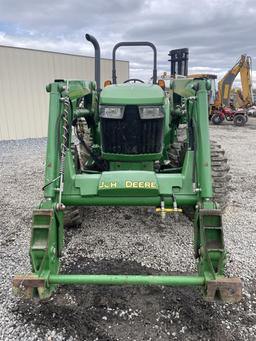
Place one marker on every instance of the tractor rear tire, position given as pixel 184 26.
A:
pixel 240 120
pixel 220 176
pixel 220 169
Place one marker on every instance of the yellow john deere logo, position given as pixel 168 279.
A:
pixel 107 185
pixel 140 184
pixel 128 184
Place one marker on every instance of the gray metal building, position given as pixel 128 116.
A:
pixel 24 73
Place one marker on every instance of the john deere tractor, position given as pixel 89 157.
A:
pixel 135 145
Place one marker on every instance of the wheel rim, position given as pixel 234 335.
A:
pixel 217 119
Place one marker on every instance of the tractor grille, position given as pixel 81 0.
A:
pixel 131 135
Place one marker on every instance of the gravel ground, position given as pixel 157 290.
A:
pixel 127 241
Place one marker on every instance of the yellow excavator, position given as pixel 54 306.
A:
pixel 244 97
pixel 221 107
pixel 222 96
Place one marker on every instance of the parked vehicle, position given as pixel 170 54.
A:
pixel 239 117
pixel 252 111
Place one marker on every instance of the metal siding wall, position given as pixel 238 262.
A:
pixel 23 76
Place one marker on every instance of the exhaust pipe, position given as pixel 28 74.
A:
pixel 96 45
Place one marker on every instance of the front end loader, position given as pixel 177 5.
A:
pixel 128 151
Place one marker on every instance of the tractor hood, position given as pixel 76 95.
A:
pixel 125 94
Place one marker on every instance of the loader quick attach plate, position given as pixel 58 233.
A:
pixel 210 277
pixel 47 230
pixel 228 290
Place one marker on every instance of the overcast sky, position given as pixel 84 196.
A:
pixel 216 32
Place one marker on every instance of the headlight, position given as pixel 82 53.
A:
pixel 148 112
pixel 113 112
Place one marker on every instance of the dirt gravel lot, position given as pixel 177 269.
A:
pixel 127 241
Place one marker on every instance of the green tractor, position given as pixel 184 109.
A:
pixel 135 146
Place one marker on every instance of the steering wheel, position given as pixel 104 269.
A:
pixel 134 80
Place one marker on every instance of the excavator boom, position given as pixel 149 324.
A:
pixel 246 98
pixel 225 84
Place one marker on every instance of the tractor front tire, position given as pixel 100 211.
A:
pixel 72 217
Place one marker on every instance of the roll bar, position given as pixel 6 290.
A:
pixel 134 43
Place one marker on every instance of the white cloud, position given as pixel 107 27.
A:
pixel 217 32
